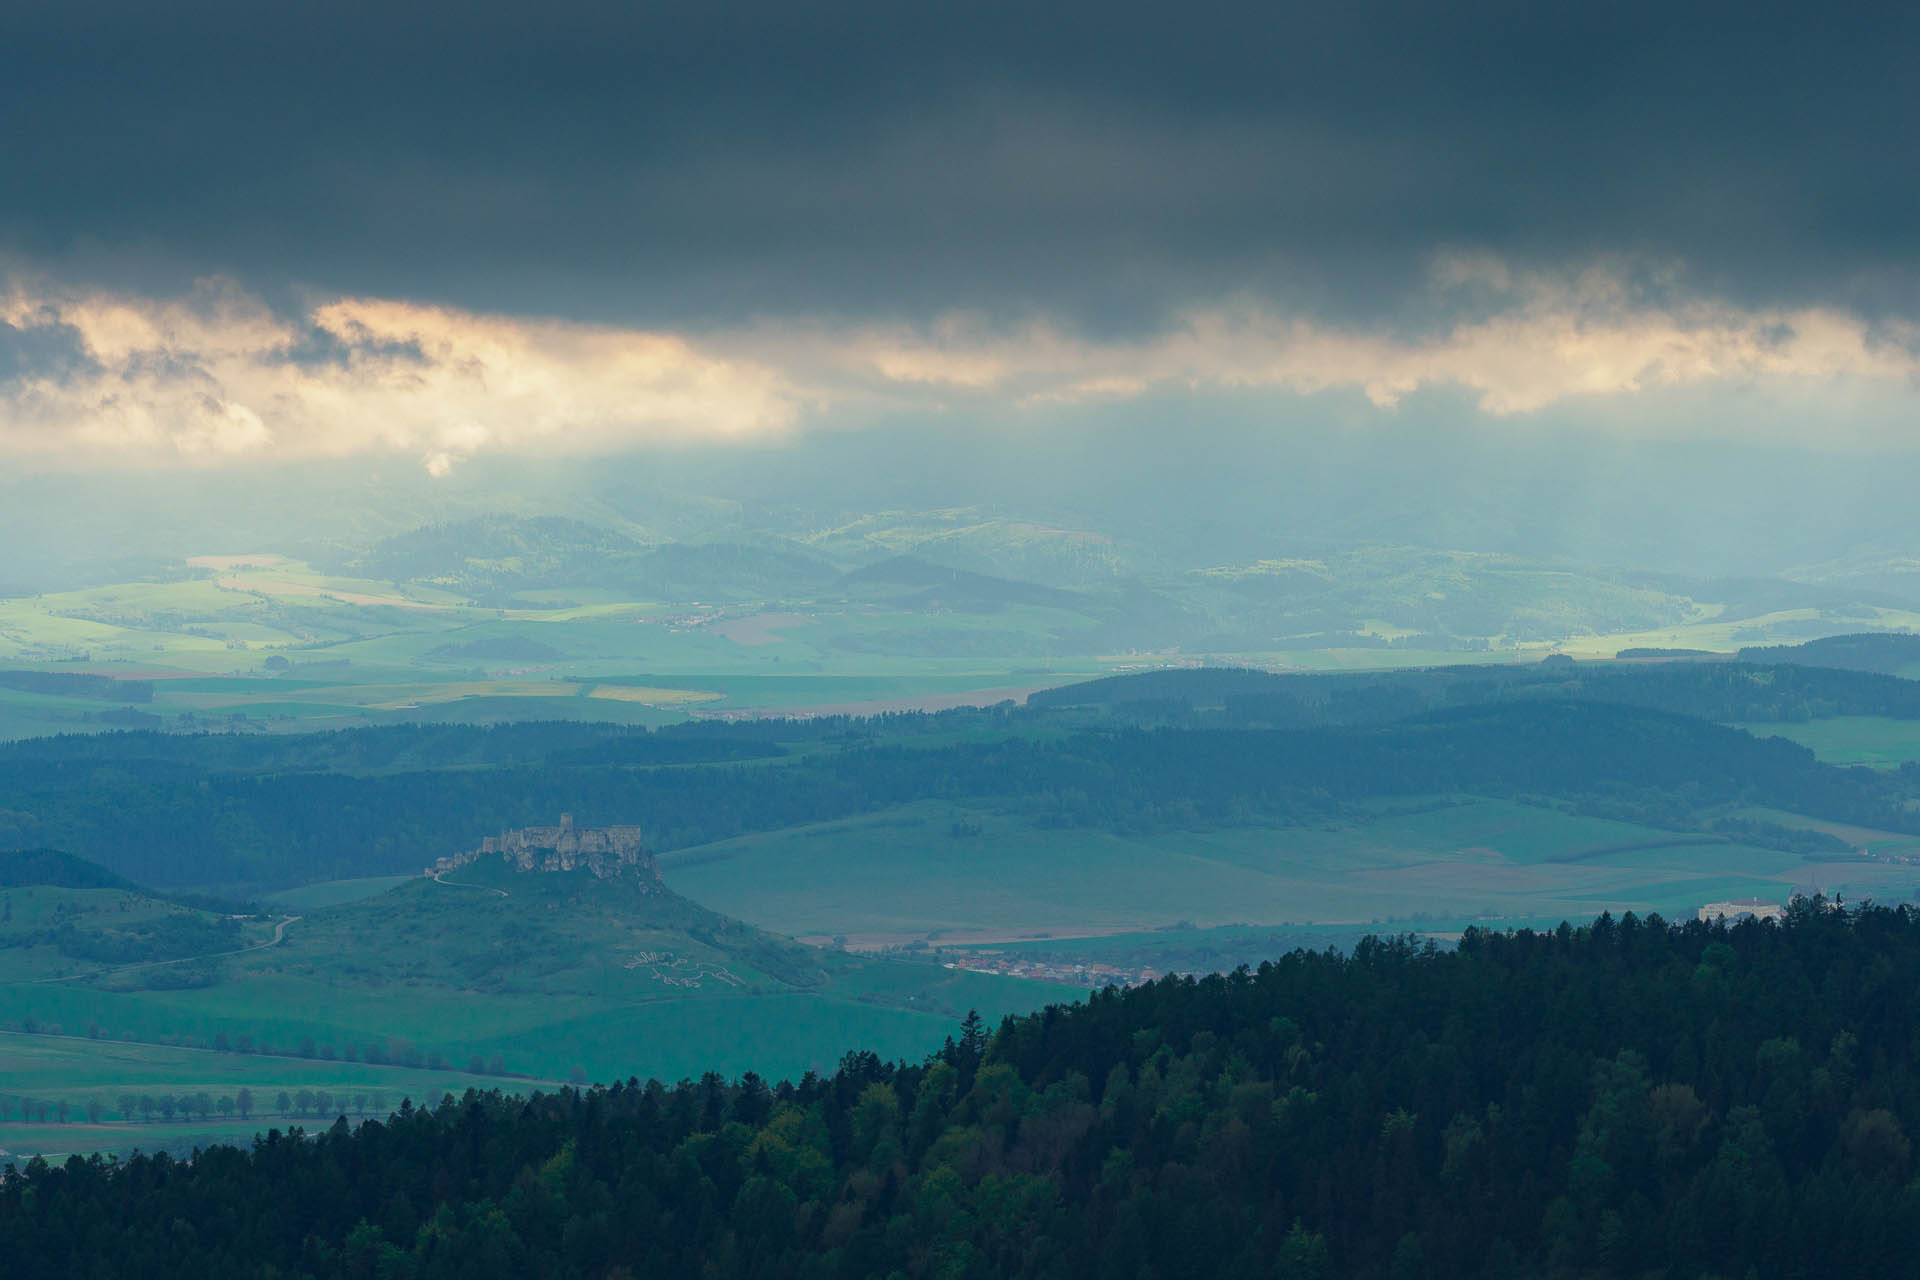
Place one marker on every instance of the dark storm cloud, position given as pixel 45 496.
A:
pixel 53 350
pixel 706 162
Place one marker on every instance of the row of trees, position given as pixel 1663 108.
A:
pixel 41 1110
pixel 391 1052
pixel 1628 1099
pixel 303 1103
pixel 395 1051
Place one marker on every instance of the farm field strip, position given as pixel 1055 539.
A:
pixel 1870 740
pixel 902 874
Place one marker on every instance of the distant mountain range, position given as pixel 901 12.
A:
pixel 967 561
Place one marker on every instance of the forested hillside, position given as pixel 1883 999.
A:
pixel 1783 688
pixel 1630 1098
pixel 240 813
pixel 1888 653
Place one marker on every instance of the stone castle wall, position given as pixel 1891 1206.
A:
pixel 605 851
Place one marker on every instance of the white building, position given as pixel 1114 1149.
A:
pixel 1758 908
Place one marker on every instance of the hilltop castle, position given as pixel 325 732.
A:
pixel 605 851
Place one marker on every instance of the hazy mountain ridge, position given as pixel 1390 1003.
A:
pixel 495 558
pixel 1364 594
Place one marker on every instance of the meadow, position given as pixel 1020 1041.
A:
pixel 399 986
pixel 332 893
pixel 900 1010
pixel 1877 741
pixel 78 1070
pixel 903 874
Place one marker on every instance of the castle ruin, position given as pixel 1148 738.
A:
pixel 605 851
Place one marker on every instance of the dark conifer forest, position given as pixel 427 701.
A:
pixel 1631 1098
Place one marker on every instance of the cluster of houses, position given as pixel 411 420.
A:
pixel 1742 908
pixel 1079 975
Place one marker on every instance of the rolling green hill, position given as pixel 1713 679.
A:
pixel 494 558
pixel 487 928
pixel 63 918
pixel 483 972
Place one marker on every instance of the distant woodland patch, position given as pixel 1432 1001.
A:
pixel 77 684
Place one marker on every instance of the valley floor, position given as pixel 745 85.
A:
pixel 899 877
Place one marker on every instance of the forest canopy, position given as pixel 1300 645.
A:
pixel 1629 1098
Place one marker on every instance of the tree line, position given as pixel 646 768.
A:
pixel 1626 1099
pixel 394 1051
pixel 129 1107
pixel 1766 686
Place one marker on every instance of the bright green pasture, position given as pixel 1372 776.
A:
pixel 75 1067
pixel 459 970
pixel 75 1070
pixel 331 893
pixel 1710 630
pixel 902 873
pixel 282 1012
pixel 37 715
pixel 1870 740
pixel 1886 851
pixel 907 1012
pixel 897 1008
pixel 53 1141
pixel 27 912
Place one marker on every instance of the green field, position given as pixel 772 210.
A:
pixel 901 874
pixel 1869 740
pixel 78 1070
pixel 332 893
pixel 397 985
pixel 1876 843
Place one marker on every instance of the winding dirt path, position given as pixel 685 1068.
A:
pixel 441 878
pixel 279 934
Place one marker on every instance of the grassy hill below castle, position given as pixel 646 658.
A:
pixel 486 975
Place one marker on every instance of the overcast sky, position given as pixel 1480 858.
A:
pixel 244 233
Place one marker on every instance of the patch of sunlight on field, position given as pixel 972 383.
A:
pixel 651 696
pixel 25 625
pixel 397 696
pixel 575 611
pixel 342 590
pixel 191 594
pixel 1320 660
pixel 1872 839
pixel 261 560
pixel 393 697
pixel 1727 636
